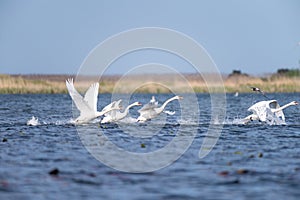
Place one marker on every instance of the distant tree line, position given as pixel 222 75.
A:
pixel 237 73
pixel 288 72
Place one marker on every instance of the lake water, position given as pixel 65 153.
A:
pixel 256 161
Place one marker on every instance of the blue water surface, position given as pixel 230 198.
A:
pixel 253 161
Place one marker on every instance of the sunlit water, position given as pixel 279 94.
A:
pixel 249 161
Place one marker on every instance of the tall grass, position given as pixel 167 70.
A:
pixel 269 84
pixel 19 85
pixel 146 84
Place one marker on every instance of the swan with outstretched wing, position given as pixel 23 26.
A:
pixel 151 111
pixel 87 105
pixel 114 104
pixel 267 110
pixel 116 115
pixel 150 106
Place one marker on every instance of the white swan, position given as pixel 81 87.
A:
pixel 114 115
pixel 263 110
pixel 153 101
pixel 151 105
pixel 34 121
pixel 150 111
pixel 111 105
pixel 87 105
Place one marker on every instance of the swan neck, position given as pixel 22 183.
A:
pixel 165 104
pixel 123 114
pixel 127 108
pixel 282 107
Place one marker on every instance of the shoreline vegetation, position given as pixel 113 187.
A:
pixel 282 81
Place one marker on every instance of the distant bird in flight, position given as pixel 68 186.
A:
pixel 256 89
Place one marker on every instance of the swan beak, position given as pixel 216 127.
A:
pixel 296 103
pixel 139 104
pixel 180 97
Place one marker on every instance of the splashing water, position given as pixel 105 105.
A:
pixel 34 121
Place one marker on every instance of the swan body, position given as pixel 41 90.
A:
pixel 87 105
pixel 115 115
pixel 151 110
pixel 109 107
pixel 263 110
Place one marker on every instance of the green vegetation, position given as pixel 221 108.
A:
pixel 288 72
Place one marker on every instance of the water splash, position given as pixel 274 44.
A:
pixel 34 121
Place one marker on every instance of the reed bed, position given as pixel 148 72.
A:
pixel 53 84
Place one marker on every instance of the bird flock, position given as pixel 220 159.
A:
pixel 263 111
pixel 87 106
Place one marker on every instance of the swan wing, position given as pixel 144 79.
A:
pixel 113 106
pixel 257 105
pixel 148 114
pixel 116 113
pixel 91 96
pixel 81 105
pixel 275 118
pixel 261 112
pixel 118 103
pixel 148 107
pixel 260 109
pixel 109 106
pixel 279 114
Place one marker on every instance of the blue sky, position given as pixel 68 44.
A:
pixel 54 37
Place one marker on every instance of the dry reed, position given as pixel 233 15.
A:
pixel 144 84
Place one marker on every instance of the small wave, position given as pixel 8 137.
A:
pixel 128 120
pixel 187 122
pixel 241 121
pixel 34 121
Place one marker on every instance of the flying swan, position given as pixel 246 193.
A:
pixel 87 105
pixel 263 110
pixel 116 115
pixel 151 110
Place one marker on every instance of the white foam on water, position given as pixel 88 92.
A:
pixel 34 121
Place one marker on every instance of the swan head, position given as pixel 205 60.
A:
pixel 179 97
pixel 294 103
pixel 137 103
